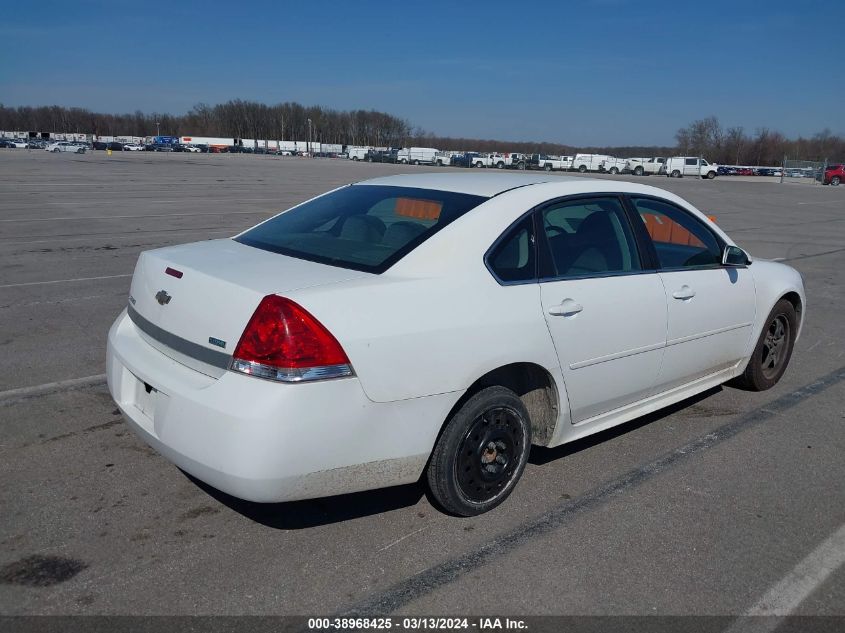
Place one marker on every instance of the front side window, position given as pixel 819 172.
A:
pixel 680 240
pixel 513 258
pixel 363 227
pixel 588 237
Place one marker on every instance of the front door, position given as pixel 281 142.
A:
pixel 711 308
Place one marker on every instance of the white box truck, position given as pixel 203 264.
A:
pixel 417 155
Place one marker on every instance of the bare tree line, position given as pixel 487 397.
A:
pixel 289 121
pixel 235 119
pixel 733 146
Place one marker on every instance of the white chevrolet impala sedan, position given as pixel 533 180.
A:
pixel 438 325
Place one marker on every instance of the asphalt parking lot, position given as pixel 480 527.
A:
pixel 709 508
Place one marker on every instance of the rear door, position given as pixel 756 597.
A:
pixel 711 308
pixel 605 313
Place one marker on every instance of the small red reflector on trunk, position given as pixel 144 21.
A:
pixel 173 272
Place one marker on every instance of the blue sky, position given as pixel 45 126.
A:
pixel 603 72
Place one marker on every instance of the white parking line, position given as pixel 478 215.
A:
pixel 63 281
pixel 51 387
pixel 786 596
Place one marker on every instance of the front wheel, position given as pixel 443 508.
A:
pixel 613 171
pixel 583 169
pixel 773 350
pixel 547 168
pixel 835 181
pixel 711 175
pixel 481 453
pixel 638 171
pixel 676 174
pixel 56 150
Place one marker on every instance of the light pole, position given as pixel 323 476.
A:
pixel 158 128
pixel 310 154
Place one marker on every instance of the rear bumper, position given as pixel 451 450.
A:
pixel 265 441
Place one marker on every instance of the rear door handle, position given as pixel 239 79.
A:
pixel 684 293
pixel 567 307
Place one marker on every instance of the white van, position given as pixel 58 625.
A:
pixel 589 162
pixel 680 166
pixel 417 155
pixel 357 153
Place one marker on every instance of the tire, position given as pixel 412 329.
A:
pixel 835 181
pixel 500 165
pixel 711 175
pixel 416 162
pixel 355 158
pixel 675 174
pixel 547 167
pixel 613 171
pixel 478 165
pixel 481 453
pixel 439 163
pixel 638 170
pixel 56 150
pixel 766 365
pixel 583 169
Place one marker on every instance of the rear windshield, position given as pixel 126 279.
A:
pixel 363 227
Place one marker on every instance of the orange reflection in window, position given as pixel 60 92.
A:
pixel 662 229
pixel 419 209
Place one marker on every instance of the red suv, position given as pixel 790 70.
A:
pixel 834 174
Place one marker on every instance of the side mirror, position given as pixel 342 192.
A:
pixel 734 256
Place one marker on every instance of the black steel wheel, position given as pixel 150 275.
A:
pixel 481 453
pixel 774 347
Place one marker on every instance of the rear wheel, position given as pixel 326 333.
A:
pixel 638 171
pixel 676 174
pixel 547 167
pixel 355 158
pixel 773 350
pixel 481 453
pixel 835 181
pixel 583 169
pixel 500 165
pixel 614 171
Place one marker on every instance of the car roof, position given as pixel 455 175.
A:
pixel 478 184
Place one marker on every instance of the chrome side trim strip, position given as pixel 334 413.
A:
pixel 179 344
pixel 692 337
pixel 617 355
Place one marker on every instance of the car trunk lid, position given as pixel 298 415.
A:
pixel 192 302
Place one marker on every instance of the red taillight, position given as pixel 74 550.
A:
pixel 283 341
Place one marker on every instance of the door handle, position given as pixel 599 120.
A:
pixel 684 293
pixel 567 307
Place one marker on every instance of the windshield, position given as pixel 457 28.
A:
pixel 363 227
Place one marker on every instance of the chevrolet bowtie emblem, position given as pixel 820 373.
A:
pixel 162 297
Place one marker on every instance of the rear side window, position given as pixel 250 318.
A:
pixel 363 227
pixel 691 161
pixel 589 237
pixel 513 258
pixel 681 241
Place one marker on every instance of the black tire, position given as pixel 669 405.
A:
pixel 583 169
pixel 613 171
pixel 835 181
pixel 416 162
pixel 481 453
pixel 56 150
pixel 638 170
pixel 355 158
pixel 500 165
pixel 711 175
pixel 547 167
pixel 676 174
pixel 773 350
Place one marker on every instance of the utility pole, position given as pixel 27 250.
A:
pixel 310 153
